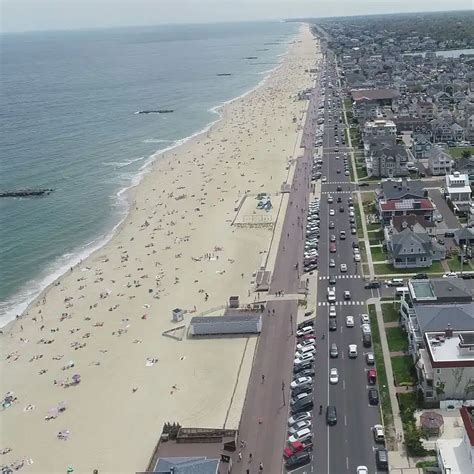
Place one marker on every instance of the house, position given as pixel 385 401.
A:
pixel 368 103
pixel 387 160
pixel 432 305
pixel 469 132
pixel 396 189
pixel 404 207
pixel 456 455
pixel 409 249
pixel 413 222
pixel 421 136
pixel 425 110
pixel 458 191
pixel 187 465
pixel 458 132
pixel 442 131
pixel 439 162
pixel 379 128
pixel 445 365
pixel 464 236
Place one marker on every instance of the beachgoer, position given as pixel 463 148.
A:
pixel 240 456
pixel 250 457
pixel 263 378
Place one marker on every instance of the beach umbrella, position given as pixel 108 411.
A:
pixel 76 378
pixel 61 406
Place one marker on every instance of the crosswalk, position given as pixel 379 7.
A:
pixel 339 277
pixel 337 192
pixel 337 182
pixel 342 303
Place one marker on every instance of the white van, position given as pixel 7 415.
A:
pixel 401 290
pixel 395 282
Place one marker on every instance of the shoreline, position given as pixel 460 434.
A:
pixel 176 248
pixel 35 289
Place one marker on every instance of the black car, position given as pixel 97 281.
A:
pixel 304 388
pixel 420 276
pixel 339 199
pixel 466 276
pixel 381 459
pixel 341 209
pixel 303 366
pixel 363 185
pixel 332 280
pixel 373 396
pixel 304 324
pixel 366 340
pixel 339 188
pixel 332 325
pixel 355 245
pixel 307 373
pixel 302 405
pixel 298 460
pixel 311 268
pixel 372 285
pixel 331 415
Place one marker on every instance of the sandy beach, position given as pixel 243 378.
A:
pixel 104 319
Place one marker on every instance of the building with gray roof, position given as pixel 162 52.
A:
pixel 187 465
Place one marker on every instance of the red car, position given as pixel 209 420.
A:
pixel 332 247
pixel 372 376
pixel 297 447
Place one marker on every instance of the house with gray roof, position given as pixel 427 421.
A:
pixel 464 236
pixel 387 160
pixel 434 305
pixel 409 249
pixel 395 189
pixel 439 162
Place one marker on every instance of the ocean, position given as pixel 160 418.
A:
pixel 68 118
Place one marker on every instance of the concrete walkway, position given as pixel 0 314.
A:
pixel 397 421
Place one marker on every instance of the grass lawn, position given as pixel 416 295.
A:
pixel 348 103
pixel 390 312
pixel 397 339
pixel 455 264
pixel 388 269
pixel 360 233
pixel 457 151
pixel 373 227
pixel 361 172
pixel 403 370
pixel 386 406
pixel 362 251
pixel 378 255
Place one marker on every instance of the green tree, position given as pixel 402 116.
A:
pixel 466 154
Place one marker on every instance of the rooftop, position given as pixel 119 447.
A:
pixel 467 415
pixel 454 455
pixel 440 290
pixel 438 317
pixel 450 349
pixel 407 205
pixel 397 189
pixel 402 222
pixel 373 94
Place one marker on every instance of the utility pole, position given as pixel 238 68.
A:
pixel 283 391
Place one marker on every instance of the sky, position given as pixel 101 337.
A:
pixel 31 15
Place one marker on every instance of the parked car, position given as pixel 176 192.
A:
pixel 300 417
pixel 304 331
pixel 369 358
pixel 306 342
pixel 300 358
pixel 298 460
pixel 420 276
pixel 298 426
pixel 372 285
pixel 298 368
pixel 302 435
pixel 302 405
pixel 332 311
pixel 332 324
pixel 379 435
pixel 373 396
pixel 307 373
pixel 300 381
pixel 362 470
pixel 365 318
pixel 381 459
pixel 352 351
pixel 334 351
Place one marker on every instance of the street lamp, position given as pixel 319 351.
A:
pixel 283 391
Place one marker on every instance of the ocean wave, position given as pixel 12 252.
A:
pixel 157 140
pixel 122 164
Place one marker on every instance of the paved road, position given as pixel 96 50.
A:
pixel 340 448
pixel 264 419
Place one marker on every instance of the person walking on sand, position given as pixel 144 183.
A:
pixel 250 457
pixel 263 378
pixel 260 467
pixel 240 456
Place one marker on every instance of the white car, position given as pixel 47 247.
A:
pixel 300 425
pixel 306 415
pixel 332 311
pixel 332 212
pixel 333 376
pixel 362 470
pixel 450 275
pixel 303 358
pixel 352 351
pixel 365 318
pixel 331 295
pixel 351 214
pixel 304 331
pixel 301 435
pixel 324 179
pixel 347 295
pixel 330 199
pixel 311 349
pixel 307 342
pixel 343 267
pixel 366 328
pixel 357 257
pixel 332 263
pixel 350 321
pixel 347 173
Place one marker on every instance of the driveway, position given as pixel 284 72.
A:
pixel 448 216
